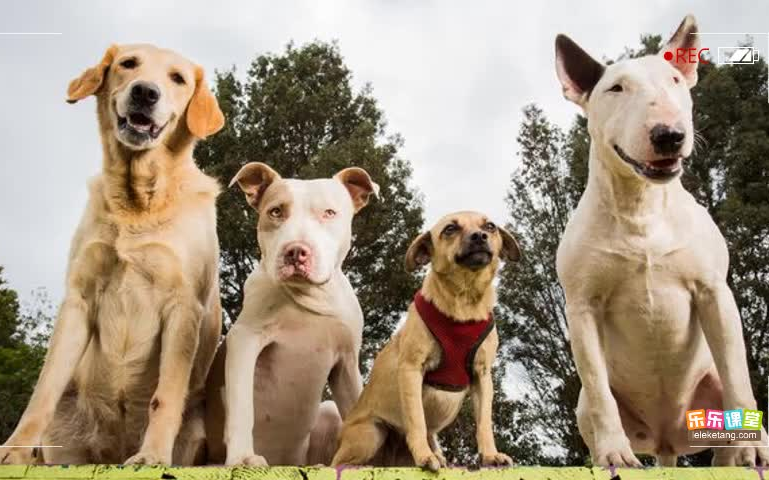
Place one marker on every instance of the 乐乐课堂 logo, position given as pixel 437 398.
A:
pixel 740 419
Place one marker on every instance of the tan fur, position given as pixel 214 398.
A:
pixel 139 324
pixel 408 407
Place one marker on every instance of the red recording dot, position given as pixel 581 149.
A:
pixel 668 56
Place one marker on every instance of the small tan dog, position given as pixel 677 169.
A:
pixel 446 347
pixel 138 327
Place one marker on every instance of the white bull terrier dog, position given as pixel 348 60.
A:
pixel 300 327
pixel 654 327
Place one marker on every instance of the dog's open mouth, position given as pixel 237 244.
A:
pixel 140 123
pixel 662 169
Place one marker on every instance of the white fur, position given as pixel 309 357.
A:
pixel 654 327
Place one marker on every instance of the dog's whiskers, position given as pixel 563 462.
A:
pixel 700 142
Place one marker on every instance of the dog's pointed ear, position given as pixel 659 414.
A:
pixel 358 182
pixel 204 117
pixel 254 178
pixel 90 81
pixel 511 251
pixel 577 71
pixel 685 38
pixel 420 252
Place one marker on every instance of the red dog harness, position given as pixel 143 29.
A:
pixel 459 342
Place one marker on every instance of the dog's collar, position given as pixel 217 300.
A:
pixel 423 304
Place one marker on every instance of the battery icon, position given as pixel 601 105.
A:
pixel 737 55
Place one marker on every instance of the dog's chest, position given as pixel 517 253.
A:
pixel 648 291
pixel 290 377
pixel 127 276
pixel 441 407
pixel 646 280
pixel 299 360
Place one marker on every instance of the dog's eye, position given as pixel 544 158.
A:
pixel 177 78
pixel 615 88
pixel 275 212
pixel 490 227
pixel 677 80
pixel 129 63
pixel 329 213
pixel 449 229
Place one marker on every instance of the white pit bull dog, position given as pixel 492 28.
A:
pixel 654 327
pixel 300 327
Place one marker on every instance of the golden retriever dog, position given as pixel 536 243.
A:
pixel 444 350
pixel 139 324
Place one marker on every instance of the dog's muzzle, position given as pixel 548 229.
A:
pixel 476 252
pixel 138 125
pixel 659 170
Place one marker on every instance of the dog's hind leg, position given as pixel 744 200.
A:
pixel 65 455
pixel 71 334
pixel 324 435
pixel 359 443
pixel 66 444
pixel 190 445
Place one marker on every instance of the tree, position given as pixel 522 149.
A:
pixel 542 194
pixel 297 112
pixel 23 339
pixel 9 312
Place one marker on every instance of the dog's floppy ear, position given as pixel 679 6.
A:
pixel 685 38
pixel 510 249
pixel 577 71
pixel 358 182
pixel 204 117
pixel 92 79
pixel 420 252
pixel 254 178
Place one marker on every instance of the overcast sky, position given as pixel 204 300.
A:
pixel 451 77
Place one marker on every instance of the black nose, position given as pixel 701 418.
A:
pixel 145 94
pixel 666 139
pixel 479 237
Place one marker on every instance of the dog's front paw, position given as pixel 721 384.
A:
pixel 17 456
pixel 748 456
pixel 615 450
pixel 148 458
pixel 250 459
pixel 495 459
pixel 428 460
